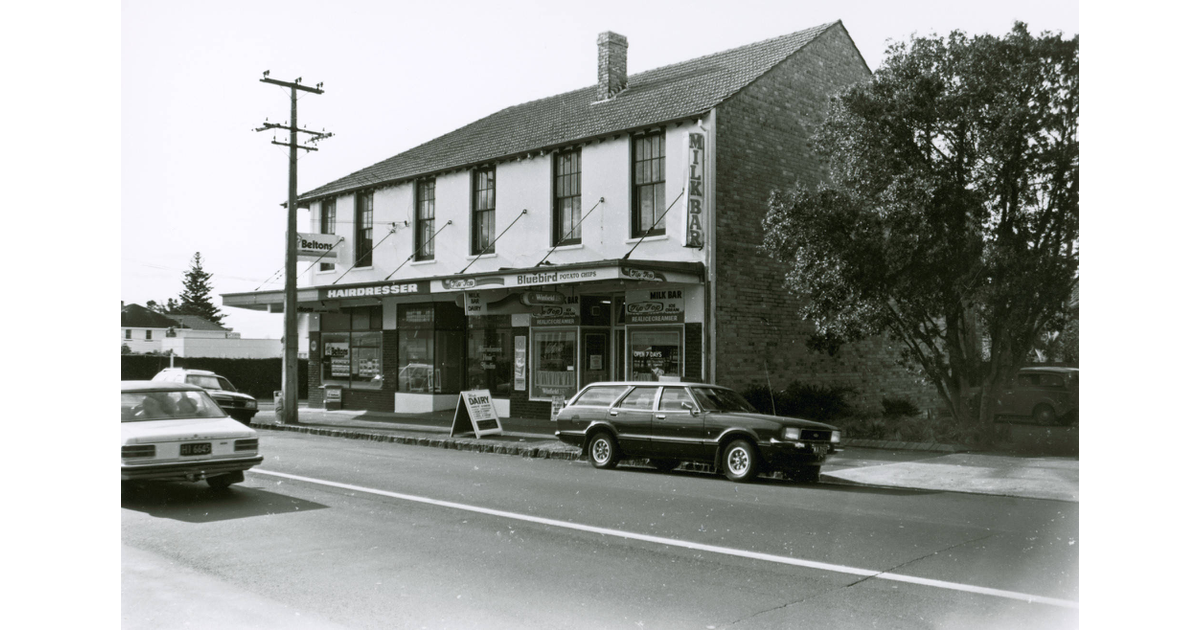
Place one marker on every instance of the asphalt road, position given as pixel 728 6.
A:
pixel 332 533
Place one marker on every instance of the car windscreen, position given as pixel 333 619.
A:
pixel 207 382
pixel 717 399
pixel 225 384
pixel 141 406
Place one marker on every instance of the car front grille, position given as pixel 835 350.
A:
pixel 237 403
pixel 815 435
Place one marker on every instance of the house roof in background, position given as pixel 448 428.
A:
pixel 138 316
pixel 664 94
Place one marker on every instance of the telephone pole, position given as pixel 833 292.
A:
pixel 289 413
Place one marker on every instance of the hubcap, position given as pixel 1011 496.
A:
pixel 738 461
pixel 601 451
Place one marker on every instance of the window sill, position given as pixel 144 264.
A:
pixel 482 256
pixel 368 268
pixel 562 247
pixel 423 262
pixel 658 237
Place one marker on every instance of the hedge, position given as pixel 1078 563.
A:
pixel 258 377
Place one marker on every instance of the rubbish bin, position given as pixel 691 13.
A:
pixel 333 396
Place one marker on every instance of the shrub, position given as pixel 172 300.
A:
pixel 899 407
pixel 812 402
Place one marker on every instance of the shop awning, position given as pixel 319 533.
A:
pixel 313 299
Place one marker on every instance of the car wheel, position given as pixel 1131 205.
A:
pixel 664 465
pixel 806 474
pixel 602 451
pixel 222 482
pixel 740 461
pixel 1044 414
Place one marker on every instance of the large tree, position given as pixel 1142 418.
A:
pixel 950 216
pixel 195 298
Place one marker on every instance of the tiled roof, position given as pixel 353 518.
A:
pixel 664 94
pixel 138 316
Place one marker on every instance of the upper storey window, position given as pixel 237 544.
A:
pixel 328 224
pixel 483 211
pixel 567 175
pixel 649 184
pixel 364 217
pixel 423 246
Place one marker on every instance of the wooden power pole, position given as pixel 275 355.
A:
pixel 289 413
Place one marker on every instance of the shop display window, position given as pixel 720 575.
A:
pixel 335 359
pixel 554 370
pixel 366 360
pixel 416 361
pixel 490 360
pixel 655 354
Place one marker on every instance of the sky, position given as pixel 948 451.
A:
pixel 195 177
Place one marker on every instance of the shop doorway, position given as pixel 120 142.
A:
pixel 597 357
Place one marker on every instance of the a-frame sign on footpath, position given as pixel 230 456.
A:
pixel 475 407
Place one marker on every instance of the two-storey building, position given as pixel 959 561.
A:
pixel 606 233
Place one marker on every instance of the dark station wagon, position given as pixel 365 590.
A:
pixel 668 423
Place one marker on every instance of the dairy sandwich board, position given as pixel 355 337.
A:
pixel 476 408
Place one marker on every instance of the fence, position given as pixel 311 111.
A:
pixel 258 377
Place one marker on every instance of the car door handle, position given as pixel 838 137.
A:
pixel 612 412
pixel 660 416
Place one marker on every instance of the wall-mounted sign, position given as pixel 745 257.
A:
pixel 375 290
pixel 693 227
pixel 664 306
pixel 475 406
pixel 326 247
pixel 461 284
pixel 643 275
pixel 558 315
pixel 519 363
pixel 538 298
pixel 474 305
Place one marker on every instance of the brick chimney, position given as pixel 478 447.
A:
pixel 611 68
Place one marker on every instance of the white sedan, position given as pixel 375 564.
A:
pixel 175 432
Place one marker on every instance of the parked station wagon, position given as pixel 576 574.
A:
pixel 668 423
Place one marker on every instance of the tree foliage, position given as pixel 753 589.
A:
pixel 195 298
pixel 950 217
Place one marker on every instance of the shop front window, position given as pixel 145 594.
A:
pixel 655 355
pixel 554 372
pixel 335 359
pixel 416 361
pixel 490 360
pixel 366 360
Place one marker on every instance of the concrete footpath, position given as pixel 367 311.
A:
pixel 918 466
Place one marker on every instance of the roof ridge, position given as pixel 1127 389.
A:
pixel 348 182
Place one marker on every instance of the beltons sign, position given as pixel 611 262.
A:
pixel 325 247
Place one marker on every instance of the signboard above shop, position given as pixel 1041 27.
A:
pixel 382 289
pixel 680 272
pixel 328 248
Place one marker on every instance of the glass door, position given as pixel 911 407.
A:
pixel 597 357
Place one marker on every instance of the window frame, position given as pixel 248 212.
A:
pixel 424 198
pixel 364 218
pixel 571 183
pixel 478 213
pixel 328 225
pixel 657 186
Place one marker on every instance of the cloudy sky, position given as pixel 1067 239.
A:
pixel 196 178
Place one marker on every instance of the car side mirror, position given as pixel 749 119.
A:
pixel 690 407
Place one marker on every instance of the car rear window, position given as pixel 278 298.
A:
pixel 140 406
pixel 602 396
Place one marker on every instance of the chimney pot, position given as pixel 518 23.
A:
pixel 611 67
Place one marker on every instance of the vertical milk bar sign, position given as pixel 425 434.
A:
pixel 694 226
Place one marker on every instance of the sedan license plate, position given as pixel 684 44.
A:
pixel 820 450
pixel 196 448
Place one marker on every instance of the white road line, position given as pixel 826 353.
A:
pixel 753 555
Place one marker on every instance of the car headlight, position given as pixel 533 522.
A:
pixel 791 433
pixel 836 437
pixel 252 404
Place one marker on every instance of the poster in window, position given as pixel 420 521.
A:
pixel 338 355
pixel 655 355
pixel 554 364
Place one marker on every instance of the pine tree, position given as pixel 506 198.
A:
pixel 195 299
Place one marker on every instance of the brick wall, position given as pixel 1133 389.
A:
pixel 693 348
pixel 764 143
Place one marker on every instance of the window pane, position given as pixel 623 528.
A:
pixel 366 355
pixel 335 358
pixel 639 398
pixel 416 361
pixel 655 354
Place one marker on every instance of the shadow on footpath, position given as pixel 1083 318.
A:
pixel 197 503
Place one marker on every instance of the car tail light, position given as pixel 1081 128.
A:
pixel 137 450
pixel 248 444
